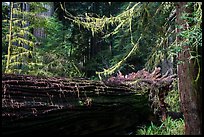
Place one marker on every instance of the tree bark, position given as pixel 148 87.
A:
pixel 189 90
pixel 46 106
pixel 90 107
pixel 111 27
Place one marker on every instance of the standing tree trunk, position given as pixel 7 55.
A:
pixel 40 32
pixel 189 90
pixel 10 43
pixel 111 27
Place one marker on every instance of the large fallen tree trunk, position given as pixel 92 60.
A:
pixel 31 103
pixel 31 95
pixel 44 106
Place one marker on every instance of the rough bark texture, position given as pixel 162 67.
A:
pixel 23 91
pixel 45 106
pixel 190 92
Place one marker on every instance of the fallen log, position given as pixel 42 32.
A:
pixel 54 105
pixel 46 106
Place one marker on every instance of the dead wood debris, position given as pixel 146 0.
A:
pixel 154 83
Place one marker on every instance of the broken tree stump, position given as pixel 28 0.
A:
pixel 154 83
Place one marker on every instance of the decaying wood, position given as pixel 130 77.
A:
pixel 157 85
pixel 28 101
pixel 36 95
pixel 45 106
pixel 143 76
pixel 32 95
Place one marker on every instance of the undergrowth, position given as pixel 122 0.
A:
pixel 169 126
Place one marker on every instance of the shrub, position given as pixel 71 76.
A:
pixel 168 127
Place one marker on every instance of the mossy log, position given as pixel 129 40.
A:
pixel 33 105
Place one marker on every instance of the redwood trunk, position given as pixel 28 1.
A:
pixel 190 92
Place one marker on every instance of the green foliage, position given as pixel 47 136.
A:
pixel 51 59
pixel 5 30
pixel 20 41
pixel 192 33
pixel 136 29
pixel 173 99
pixel 111 70
pixel 161 38
pixel 147 24
pixel 55 53
pixel 5 25
pixel 96 25
pixel 193 36
pixel 138 33
pixel 168 127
